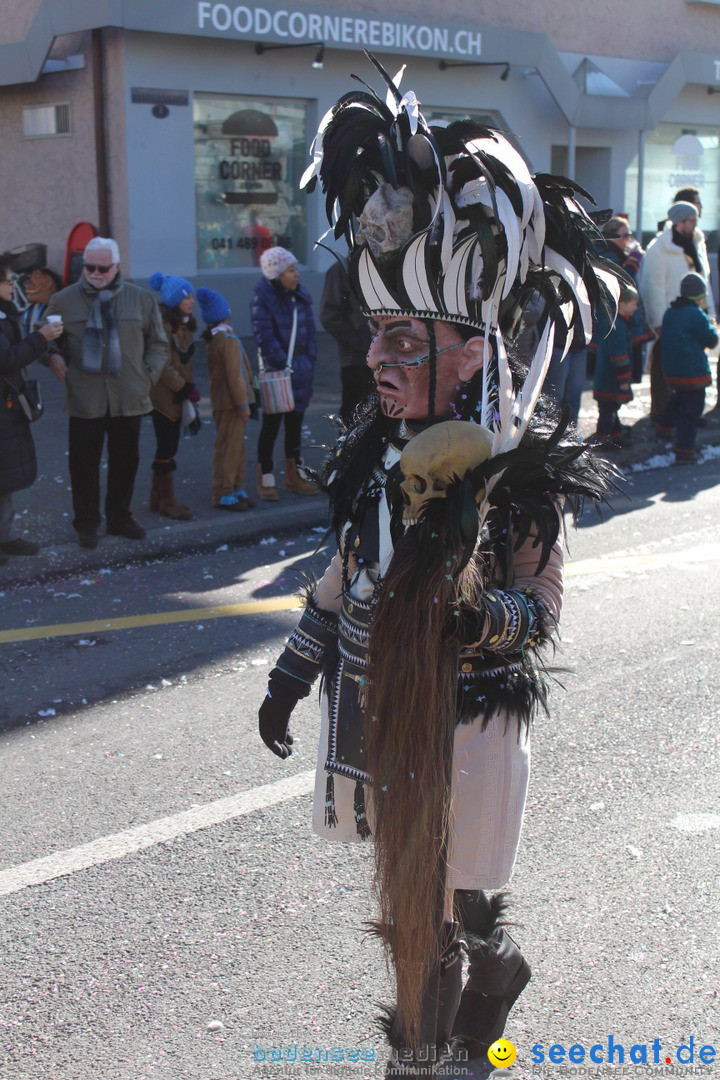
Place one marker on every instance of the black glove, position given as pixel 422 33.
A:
pixel 292 678
pixel 253 411
pixel 275 711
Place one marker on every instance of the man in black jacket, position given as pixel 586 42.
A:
pixel 341 317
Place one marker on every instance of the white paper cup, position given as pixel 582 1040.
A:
pixel 54 318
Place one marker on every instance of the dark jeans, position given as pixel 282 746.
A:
pixel 659 389
pixel 167 438
pixel 86 442
pixel 268 433
pixel 565 380
pixel 683 411
pixel 608 419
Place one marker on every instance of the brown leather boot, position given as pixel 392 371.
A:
pixel 266 486
pixel 154 500
pixel 295 479
pixel 168 504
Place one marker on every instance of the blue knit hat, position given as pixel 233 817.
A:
pixel 172 289
pixel 213 306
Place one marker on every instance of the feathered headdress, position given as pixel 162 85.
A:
pixel 445 222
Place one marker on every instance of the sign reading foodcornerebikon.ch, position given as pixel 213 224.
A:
pixel 349 31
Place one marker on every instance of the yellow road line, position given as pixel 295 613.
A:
pixel 693 556
pixel 159 618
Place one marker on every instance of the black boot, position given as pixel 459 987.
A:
pixel 440 1005
pixel 497 973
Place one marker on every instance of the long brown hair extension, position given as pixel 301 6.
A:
pixel 409 739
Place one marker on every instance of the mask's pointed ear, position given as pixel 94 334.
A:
pixel 471 358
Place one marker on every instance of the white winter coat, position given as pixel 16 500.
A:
pixel 663 267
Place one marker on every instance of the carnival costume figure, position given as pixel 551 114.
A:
pixel 430 623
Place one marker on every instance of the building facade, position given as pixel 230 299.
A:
pixel 182 127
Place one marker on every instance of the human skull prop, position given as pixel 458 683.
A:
pixel 386 222
pixel 438 457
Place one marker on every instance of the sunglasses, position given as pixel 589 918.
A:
pixel 93 268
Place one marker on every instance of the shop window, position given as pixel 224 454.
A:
pixel 41 121
pixel 249 156
pixel 676 157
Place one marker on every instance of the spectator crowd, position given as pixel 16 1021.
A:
pixel 124 352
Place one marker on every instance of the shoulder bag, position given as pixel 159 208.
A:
pixel 26 399
pixel 275 387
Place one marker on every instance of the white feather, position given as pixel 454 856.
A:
pixel 477 191
pixel 612 284
pixel 513 236
pixel 486 415
pixel 535 234
pixel 506 397
pixel 528 395
pixel 568 273
pixel 390 97
pixel 501 149
pixel 415 278
pixel 372 286
pixel 454 292
pixel 411 106
pixel 316 151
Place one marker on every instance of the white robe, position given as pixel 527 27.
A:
pixel 491 768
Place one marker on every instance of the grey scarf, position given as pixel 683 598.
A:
pixel 101 326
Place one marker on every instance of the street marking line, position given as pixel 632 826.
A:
pixel 690 556
pixel 159 618
pixel 118 845
pixel 611 564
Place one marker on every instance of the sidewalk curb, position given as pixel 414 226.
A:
pixel 165 542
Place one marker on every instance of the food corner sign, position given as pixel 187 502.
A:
pixel 279 24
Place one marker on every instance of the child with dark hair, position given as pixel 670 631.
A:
pixel 611 384
pixel 687 333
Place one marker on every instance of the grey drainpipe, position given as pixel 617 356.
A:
pixel 640 177
pixel 101 166
pixel 572 136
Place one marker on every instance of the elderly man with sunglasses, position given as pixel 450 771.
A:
pixel 112 352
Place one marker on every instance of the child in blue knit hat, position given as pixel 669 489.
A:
pixel 232 399
pixel 174 386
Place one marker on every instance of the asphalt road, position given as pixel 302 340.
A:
pixel 166 911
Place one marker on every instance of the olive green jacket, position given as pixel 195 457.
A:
pixel 143 344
